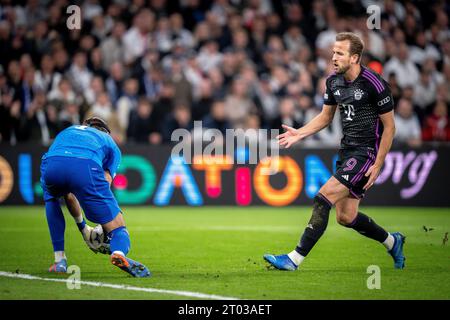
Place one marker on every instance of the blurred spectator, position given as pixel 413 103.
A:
pixel 103 108
pixel 209 56
pixel 91 9
pixel 164 105
pixel 40 125
pixel 25 94
pixel 294 39
pixel 101 26
pixel 407 125
pixel 38 41
pixel 97 86
pixel 216 119
pixel 373 42
pixel 395 88
pixel 61 59
pixel 404 69
pixel 112 47
pixel 96 63
pixel 238 104
pixel 180 118
pixel 163 35
pixel 137 39
pixel 143 125
pixel 34 13
pixel 151 83
pixel 182 87
pixel 446 84
pixel 266 99
pixel 115 81
pixel 47 78
pixel 179 34
pixel 9 113
pixel 79 75
pixel 437 126
pixel 422 50
pixel 128 102
pixel 202 106
pixel 69 115
pixel 62 94
pixel 424 92
pixel 287 115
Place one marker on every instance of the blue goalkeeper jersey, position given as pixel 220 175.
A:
pixel 87 143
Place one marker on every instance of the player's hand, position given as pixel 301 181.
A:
pixel 288 138
pixel 94 250
pixel 86 233
pixel 372 173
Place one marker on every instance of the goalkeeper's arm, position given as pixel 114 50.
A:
pixel 75 211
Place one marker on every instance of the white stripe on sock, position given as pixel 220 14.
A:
pixel 389 242
pixel 296 257
pixel 59 255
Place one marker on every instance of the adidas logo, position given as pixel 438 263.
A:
pixel 310 226
pixel 345 176
pixel 337 93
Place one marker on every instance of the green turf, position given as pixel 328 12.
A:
pixel 218 250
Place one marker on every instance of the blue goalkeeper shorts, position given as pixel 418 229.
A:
pixel 86 180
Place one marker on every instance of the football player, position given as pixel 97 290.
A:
pixel 83 161
pixel 366 107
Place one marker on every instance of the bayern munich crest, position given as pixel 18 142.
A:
pixel 358 94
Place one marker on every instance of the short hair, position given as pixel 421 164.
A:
pixel 356 43
pixel 98 124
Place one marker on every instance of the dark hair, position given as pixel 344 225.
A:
pixel 356 44
pixel 98 124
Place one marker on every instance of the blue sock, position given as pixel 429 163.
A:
pixel 81 225
pixel 120 240
pixel 56 223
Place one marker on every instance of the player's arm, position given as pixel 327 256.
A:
pixel 322 120
pixel 75 211
pixel 112 160
pixel 73 206
pixel 385 145
pixel 108 177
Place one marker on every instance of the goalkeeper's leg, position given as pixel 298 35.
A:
pixel 120 246
pixel 57 226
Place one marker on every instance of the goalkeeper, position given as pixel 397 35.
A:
pixel 81 164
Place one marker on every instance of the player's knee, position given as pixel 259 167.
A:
pixel 117 222
pixel 344 219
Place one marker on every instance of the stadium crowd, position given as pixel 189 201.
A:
pixel 149 67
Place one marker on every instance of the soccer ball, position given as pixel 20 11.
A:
pixel 99 240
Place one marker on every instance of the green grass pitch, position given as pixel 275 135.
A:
pixel 218 251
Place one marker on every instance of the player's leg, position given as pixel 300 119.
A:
pixel 57 226
pixel 350 171
pixel 52 190
pixel 331 192
pixel 348 215
pixel 118 234
pixel 120 246
pixel 100 206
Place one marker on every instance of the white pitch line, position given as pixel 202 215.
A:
pixel 120 287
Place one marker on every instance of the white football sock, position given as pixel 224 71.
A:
pixel 118 252
pixel 59 255
pixel 389 242
pixel 296 257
